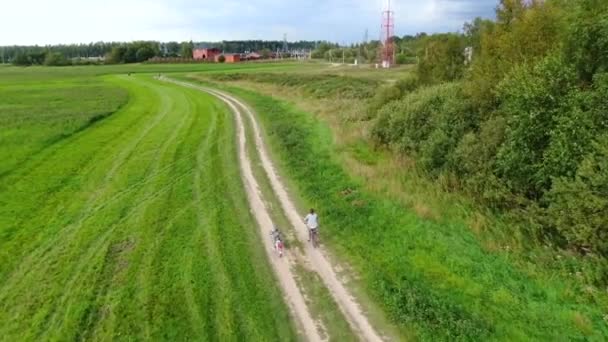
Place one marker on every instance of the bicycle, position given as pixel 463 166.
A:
pixel 314 237
pixel 277 241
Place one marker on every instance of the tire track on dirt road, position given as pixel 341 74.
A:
pixel 317 257
pixel 282 267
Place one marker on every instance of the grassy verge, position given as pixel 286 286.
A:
pixel 433 276
pixel 137 227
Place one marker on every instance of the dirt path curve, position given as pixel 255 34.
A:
pixel 319 261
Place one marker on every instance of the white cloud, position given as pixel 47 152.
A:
pixel 67 21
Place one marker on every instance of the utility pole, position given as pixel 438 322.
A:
pixel 285 45
pixel 388 29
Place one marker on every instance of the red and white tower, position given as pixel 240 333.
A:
pixel 387 54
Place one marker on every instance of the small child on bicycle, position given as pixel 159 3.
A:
pixel 277 240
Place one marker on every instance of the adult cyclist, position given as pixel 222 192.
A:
pixel 312 222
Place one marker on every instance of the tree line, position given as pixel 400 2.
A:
pixel 132 52
pixel 523 125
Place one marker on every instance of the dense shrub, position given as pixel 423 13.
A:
pixel 474 161
pixel 428 123
pixel 579 206
pixel 587 42
pixel 520 130
pixel 535 100
pixel 391 93
pixel 403 59
pixel 523 31
pixel 408 84
pixel 55 59
pixel 383 96
pixel 441 58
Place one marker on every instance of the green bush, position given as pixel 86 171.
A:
pixel 402 59
pixel 144 53
pixel 599 101
pixel 21 59
pixel 476 151
pixel 533 100
pixel 383 96
pixel 473 161
pixel 391 93
pixel 427 123
pixel 434 151
pixel 408 84
pixel 587 38
pixel 55 59
pixel 441 58
pixel 579 206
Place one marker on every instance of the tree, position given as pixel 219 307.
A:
pixel 187 48
pixel 172 49
pixel 116 55
pixel 441 58
pixel 21 59
pixel 587 42
pixel 144 53
pixel 533 98
pixel 510 10
pixel 473 32
pixel 403 58
pixel 221 59
pixel 265 53
pixel 55 59
pixel 321 50
pixel 37 57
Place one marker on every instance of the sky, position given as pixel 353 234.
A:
pixel 342 21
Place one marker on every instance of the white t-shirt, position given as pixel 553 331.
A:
pixel 311 221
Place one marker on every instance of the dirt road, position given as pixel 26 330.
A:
pixel 316 256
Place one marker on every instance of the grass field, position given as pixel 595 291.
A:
pixel 126 219
pixel 36 116
pixel 122 216
pixel 428 269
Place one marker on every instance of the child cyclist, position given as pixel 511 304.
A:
pixel 312 222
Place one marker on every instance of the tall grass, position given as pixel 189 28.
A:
pixel 317 85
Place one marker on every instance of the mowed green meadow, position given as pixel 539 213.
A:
pixel 122 214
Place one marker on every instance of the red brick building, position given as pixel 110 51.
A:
pixel 231 58
pixel 206 54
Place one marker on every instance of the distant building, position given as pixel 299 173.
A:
pixel 229 57
pixel 206 54
pixel 253 56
